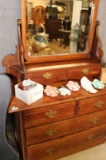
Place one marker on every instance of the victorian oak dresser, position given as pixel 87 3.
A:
pixel 55 127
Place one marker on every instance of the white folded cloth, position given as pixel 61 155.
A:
pixel 86 84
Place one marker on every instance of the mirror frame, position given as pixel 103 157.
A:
pixel 59 57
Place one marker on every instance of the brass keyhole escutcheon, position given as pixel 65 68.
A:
pixel 51 132
pixel 50 150
pixel 47 75
pixel 51 113
pixel 94 120
pixel 90 137
pixel 85 70
pixel 99 104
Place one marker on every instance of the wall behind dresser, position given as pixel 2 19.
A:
pixel 10 12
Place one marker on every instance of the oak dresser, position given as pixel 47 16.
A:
pixel 51 128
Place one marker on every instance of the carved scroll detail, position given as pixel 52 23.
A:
pixel 11 59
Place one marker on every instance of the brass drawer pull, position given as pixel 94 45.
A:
pixel 95 120
pixel 51 113
pixel 50 150
pixel 85 70
pixel 51 132
pixel 90 137
pixel 47 75
pixel 99 104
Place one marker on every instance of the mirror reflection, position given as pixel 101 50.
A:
pixel 58 27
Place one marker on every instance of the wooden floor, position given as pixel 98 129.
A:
pixel 54 48
pixel 60 48
pixel 95 153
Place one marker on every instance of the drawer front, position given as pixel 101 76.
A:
pixel 50 114
pixel 50 148
pixel 48 76
pixel 79 72
pixel 92 104
pixel 55 130
pixel 62 72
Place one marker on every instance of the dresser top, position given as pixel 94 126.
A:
pixel 17 105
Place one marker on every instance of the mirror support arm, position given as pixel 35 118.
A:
pixel 97 44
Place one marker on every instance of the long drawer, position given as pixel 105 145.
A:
pixel 62 72
pixel 62 128
pixel 46 149
pixel 53 113
pixel 91 105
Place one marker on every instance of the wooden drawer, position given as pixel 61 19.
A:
pixel 48 76
pixel 80 71
pixel 50 148
pixel 55 130
pixel 59 73
pixel 92 104
pixel 53 113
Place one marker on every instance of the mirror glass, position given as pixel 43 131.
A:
pixel 58 27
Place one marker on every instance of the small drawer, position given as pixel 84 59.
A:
pixel 53 113
pixel 91 104
pixel 79 72
pixel 55 130
pixel 53 147
pixel 48 76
